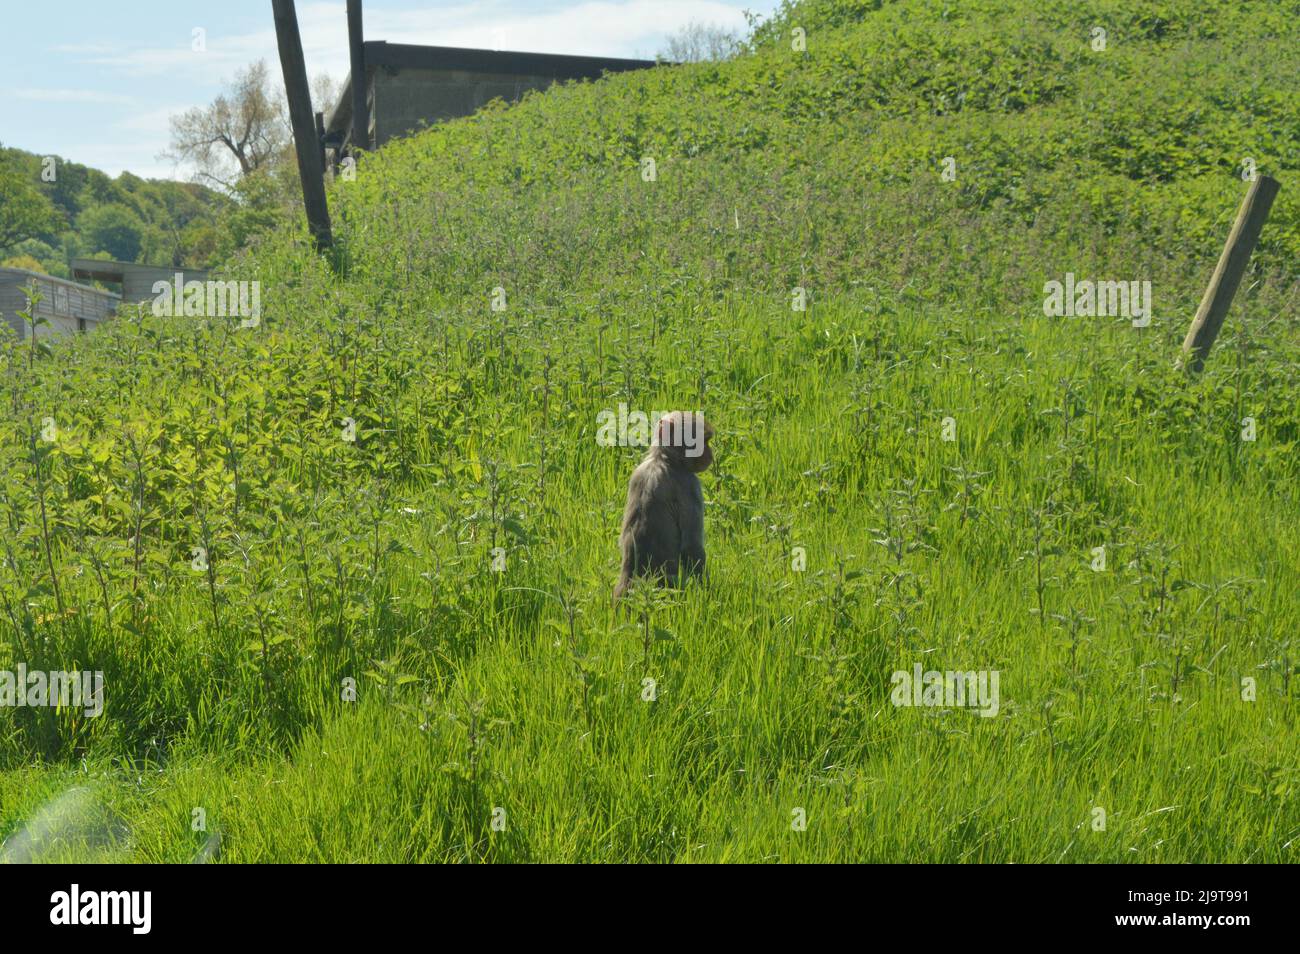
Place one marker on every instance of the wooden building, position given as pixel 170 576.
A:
pixel 136 282
pixel 408 87
pixel 67 306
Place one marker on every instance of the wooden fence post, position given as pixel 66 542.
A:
pixel 320 138
pixel 357 56
pixel 306 145
pixel 1227 274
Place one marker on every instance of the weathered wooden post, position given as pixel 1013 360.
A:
pixel 320 138
pixel 357 53
pixel 1227 275
pixel 306 145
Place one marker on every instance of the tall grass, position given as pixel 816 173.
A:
pixel 344 676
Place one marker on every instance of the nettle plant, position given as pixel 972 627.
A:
pixel 1041 523
pixel 905 529
pixel 1191 623
pixel 36 346
pixel 849 668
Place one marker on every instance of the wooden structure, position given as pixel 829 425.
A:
pixel 393 89
pixel 1227 274
pixel 407 87
pixel 307 142
pixel 135 281
pixel 66 306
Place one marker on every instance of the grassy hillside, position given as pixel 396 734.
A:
pixel 511 693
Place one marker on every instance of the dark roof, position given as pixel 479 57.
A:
pixel 107 271
pixel 9 275
pixel 562 66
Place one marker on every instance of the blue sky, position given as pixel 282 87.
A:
pixel 95 81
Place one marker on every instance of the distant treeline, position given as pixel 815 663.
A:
pixel 52 210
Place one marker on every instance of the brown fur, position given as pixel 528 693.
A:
pixel 663 522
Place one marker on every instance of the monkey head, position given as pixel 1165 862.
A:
pixel 683 439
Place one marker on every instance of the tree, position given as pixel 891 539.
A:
pixel 264 200
pixel 24 261
pixel 176 216
pixel 699 42
pixel 324 93
pixel 114 229
pixel 243 130
pixel 24 211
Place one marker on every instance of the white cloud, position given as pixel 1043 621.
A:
pixel 82 48
pixel 594 28
pixel 73 96
pixel 154 121
pixel 221 58
pixel 322 27
pixel 113 158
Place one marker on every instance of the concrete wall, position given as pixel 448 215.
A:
pixel 412 98
pixel 138 282
pixel 409 87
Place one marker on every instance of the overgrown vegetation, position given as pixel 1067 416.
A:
pixel 238 526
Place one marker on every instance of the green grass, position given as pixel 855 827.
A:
pixel 519 695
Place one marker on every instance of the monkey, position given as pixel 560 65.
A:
pixel 663 522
